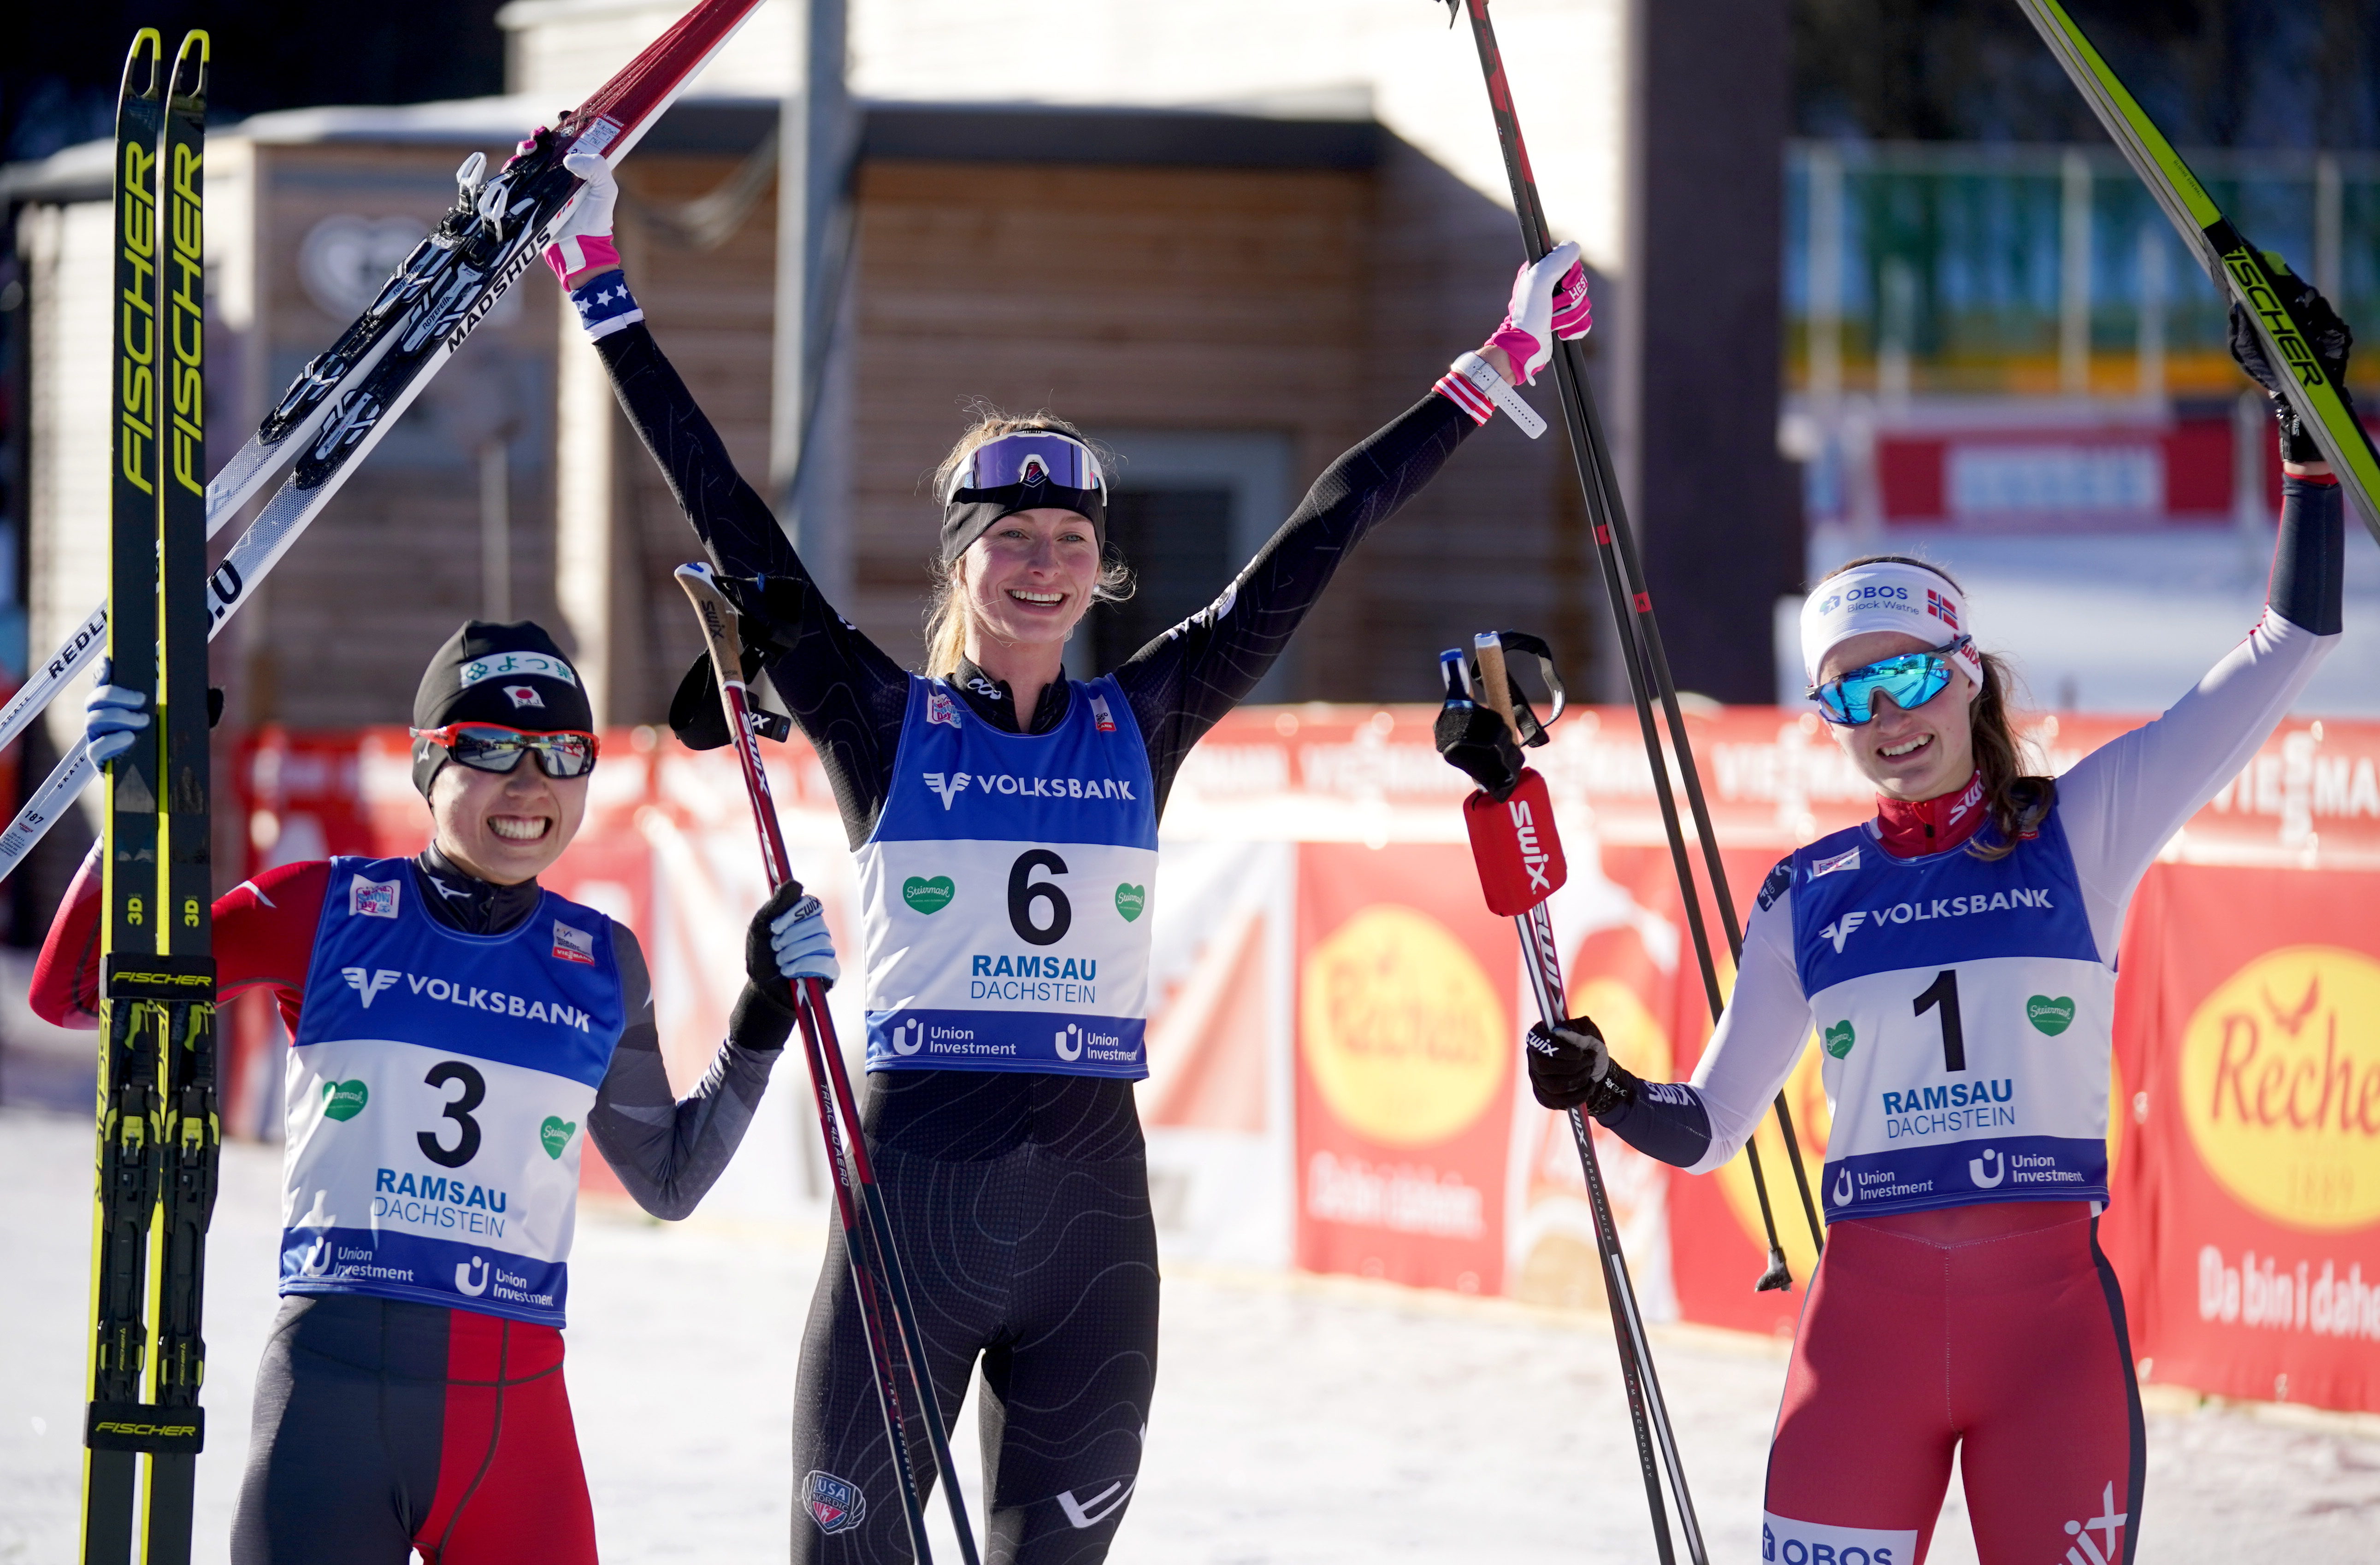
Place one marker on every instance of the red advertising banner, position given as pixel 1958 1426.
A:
pixel 1405 1067
pixel 2249 1029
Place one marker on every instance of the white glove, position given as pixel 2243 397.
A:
pixel 582 242
pixel 1548 300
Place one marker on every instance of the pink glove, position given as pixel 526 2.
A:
pixel 582 242
pixel 1549 301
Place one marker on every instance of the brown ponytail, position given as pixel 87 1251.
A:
pixel 2015 803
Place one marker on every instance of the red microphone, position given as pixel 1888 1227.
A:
pixel 1516 847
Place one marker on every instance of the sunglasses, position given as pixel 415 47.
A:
pixel 485 746
pixel 1911 680
pixel 1026 457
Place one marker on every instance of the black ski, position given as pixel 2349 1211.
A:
pixel 193 1132
pixel 120 1426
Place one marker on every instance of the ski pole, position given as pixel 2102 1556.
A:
pixel 1640 638
pixel 1499 849
pixel 831 1085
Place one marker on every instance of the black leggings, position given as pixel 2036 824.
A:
pixel 1046 1266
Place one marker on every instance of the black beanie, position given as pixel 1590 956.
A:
pixel 512 675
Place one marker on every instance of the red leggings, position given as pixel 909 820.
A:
pixel 384 1427
pixel 1996 1331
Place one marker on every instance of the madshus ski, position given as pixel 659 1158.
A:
pixel 158 1131
pixel 344 400
pixel 2248 276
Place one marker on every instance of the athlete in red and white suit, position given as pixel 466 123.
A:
pixel 1957 1311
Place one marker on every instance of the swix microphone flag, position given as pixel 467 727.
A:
pixel 1516 847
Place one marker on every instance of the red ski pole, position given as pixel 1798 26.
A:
pixel 831 1083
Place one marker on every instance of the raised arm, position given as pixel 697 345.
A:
pixel 845 693
pixel 1183 683
pixel 2125 800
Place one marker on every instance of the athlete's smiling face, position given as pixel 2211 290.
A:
pixel 1919 753
pixel 1030 578
pixel 505 827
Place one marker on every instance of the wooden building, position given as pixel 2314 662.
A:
pixel 1227 299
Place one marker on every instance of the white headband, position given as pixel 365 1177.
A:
pixel 1887 595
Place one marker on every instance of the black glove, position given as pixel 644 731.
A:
pixel 2325 334
pixel 1480 744
pixel 764 1017
pixel 1570 1067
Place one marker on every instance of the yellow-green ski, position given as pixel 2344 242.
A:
pixel 2251 276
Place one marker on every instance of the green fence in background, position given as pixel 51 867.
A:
pixel 1917 269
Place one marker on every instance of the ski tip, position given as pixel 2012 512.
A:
pixel 195 54
pixel 152 42
pixel 694 572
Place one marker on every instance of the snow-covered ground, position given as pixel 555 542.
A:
pixel 1299 1419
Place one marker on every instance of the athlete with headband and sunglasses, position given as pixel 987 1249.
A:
pixel 1004 818
pixel 1956 956
pixel 454 1029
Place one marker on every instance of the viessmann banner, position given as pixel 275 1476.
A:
pixel 1332 1040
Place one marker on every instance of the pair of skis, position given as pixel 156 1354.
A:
pixel 344 400
pixel 2249 276
pixel 881 1285
pixel 159 1135
pixel 158 1130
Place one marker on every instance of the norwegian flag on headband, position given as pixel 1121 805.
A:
pixel 1941 607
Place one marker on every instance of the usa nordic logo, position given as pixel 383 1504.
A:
pixel 836 1504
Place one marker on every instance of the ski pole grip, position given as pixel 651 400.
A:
pixel 719 622
pixel 1495 685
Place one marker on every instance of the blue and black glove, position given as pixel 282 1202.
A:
pixel 111 716
pixel 2325 334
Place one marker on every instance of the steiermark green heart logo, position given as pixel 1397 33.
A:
pixel 2052 1016
pixel 1839 1039
pixel 556 1133
pixel 927 896
pixel 345 1100
pixel 1130 900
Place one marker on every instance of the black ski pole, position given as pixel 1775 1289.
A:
pixel 1640 642
pixel 1542 959
pixel 846 1155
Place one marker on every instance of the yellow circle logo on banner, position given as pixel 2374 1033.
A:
pixel 2281 1085
pixel 1403 1031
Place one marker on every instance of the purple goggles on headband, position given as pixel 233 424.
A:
pixel 1029 456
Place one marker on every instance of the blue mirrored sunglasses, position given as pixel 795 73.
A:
pixel 1911 680
pixel 1027 456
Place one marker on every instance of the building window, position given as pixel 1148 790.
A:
pixel 1187 510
